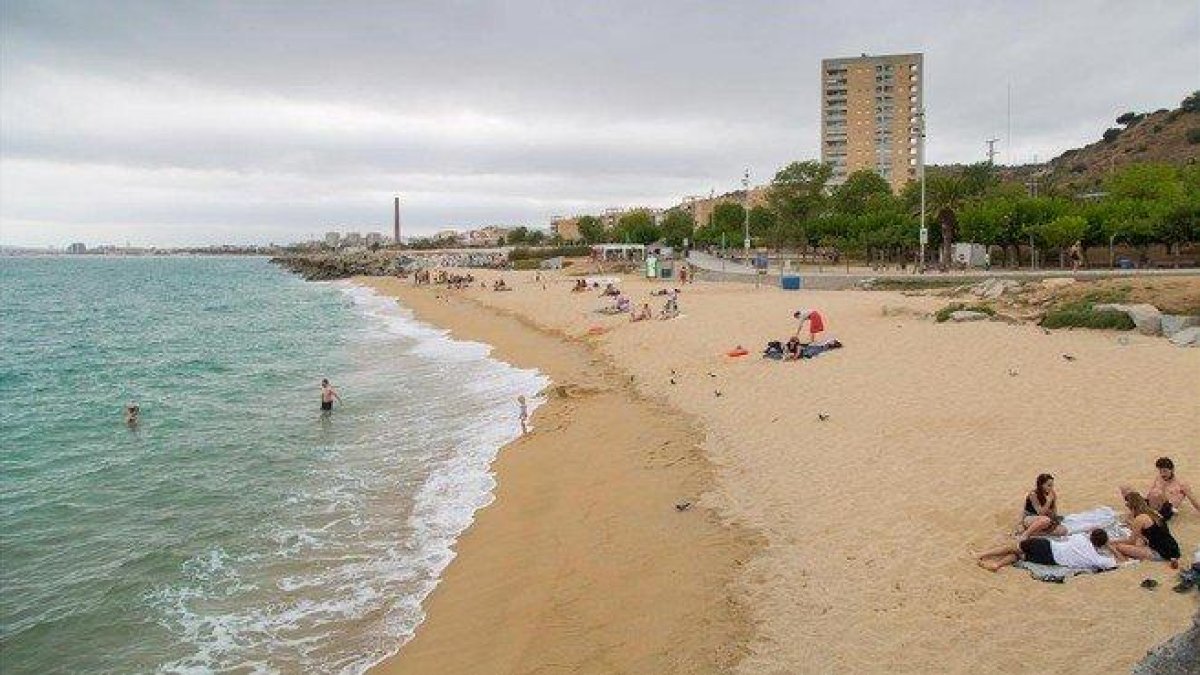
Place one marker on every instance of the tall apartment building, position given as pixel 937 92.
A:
pixel 869 107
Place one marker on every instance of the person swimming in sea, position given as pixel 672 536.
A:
pixel 328 394
pixel 132 412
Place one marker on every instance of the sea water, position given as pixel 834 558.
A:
pixel 235 528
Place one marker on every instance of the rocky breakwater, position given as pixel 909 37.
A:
pixel 328 266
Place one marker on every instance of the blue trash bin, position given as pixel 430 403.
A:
pixel 790 282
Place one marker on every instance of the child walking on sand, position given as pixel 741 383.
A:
pixel 523 413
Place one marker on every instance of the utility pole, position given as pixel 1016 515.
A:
pixel 746 211
pixel 924 232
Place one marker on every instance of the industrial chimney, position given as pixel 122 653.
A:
pixel 396 222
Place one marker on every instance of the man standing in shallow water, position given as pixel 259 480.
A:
pixel 328 394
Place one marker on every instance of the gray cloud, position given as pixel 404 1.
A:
pixel 203 122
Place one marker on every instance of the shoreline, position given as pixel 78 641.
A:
pixel 582 560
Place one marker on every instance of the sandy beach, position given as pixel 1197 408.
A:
pixel 836 545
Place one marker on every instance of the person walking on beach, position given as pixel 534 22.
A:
pixel 816 323
pixel 328 394
pixel 523 414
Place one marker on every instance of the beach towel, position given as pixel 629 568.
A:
pixel 1099 517
pixel 1085 521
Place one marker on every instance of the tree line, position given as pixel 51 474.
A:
pixel 1137 205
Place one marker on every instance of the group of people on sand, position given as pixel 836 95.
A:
pixel 810 321
pixel 1042 538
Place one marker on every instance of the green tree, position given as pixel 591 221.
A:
pixel 535 238
pixel 727 220
pixel 517 235
pixel 762 221
pixel 678 225
pixel 1061 233
pixel 637 227
pixel 854 197
pixel 1146 182
pixel 796 195
pixel 591 229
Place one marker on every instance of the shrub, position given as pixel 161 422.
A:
pixel 1193 135
pixel 526 264
pixel 1111 134
pixel 1079 168
pixel 1192 102
pixel 1128 118
pixel 525 253
pixel 1142 147
pixel 1083 315
pixel 1156 128
pixel 943 314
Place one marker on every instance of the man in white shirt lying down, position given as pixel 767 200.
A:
pixel 1080 551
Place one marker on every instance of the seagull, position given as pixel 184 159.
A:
pixel 673 381
pixel 822 416
pixel 717 393
pixel 711 375
pixel 1012 372
pixel 683 506
pixel 1068 357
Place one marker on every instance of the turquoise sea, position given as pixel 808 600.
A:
pixel 235 529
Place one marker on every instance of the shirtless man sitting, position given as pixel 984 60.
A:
pixel 1167 492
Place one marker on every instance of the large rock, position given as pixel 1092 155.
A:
pixel 1146 318
pixel 1178 656
pixel 1173 323
pixel 967 315
pixel 994 288
pixel 1058 282
pixel 1188 337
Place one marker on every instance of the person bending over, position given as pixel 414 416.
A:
pixel 816 323
pixel 1040 515
pixel 1089 551
pixel 1166 493
pixel 1150 539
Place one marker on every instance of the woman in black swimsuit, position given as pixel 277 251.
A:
pixel 1040 515
pixel 1151 540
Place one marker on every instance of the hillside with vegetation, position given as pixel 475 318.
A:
pixel 1159 137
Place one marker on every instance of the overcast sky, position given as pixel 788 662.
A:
pixel 207 122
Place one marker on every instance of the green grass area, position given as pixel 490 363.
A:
pixel 1116 295
pixel 1084 315
pixel 917 284
pixel 944 313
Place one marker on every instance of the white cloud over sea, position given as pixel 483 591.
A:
pixel 174 123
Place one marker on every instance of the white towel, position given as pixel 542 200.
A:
pixel 1101 516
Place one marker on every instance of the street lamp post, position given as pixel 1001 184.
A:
pixel 924 232
pixel 746 211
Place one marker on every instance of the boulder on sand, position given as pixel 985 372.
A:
pixel 994 288
pixel 967 315
pixel 1146 318
pixel 1188 337
pixel 1173 323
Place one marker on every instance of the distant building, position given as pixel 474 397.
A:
pixel 77 248
pixel 565 228
pixel 374 239
pixel 331 239
pixel 352 239
pixel 701 208
pixel 869 107
pixel 492 235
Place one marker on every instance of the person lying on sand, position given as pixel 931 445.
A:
pixel 1040 514
pixel 1079 551
pixel 1150 539
pixel 642 314
pixel 791 351
pixel 609 289
pixel 1166 493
